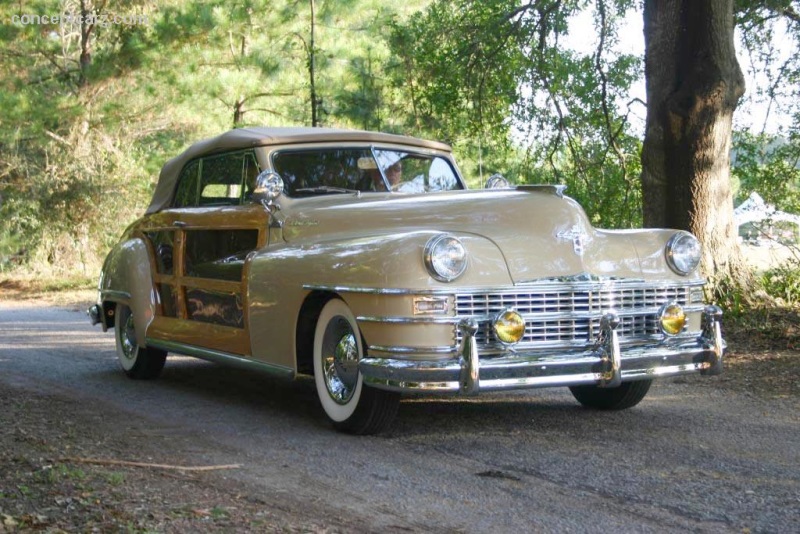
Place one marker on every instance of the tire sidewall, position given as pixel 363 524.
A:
pixel 120 317
pixel 338 413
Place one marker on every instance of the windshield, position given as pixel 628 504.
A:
pixel 341 170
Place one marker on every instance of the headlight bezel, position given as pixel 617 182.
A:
pixel 432 260
pixel 678 265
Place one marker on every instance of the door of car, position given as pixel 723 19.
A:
pixel 200 248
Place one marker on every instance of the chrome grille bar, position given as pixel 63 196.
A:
pixel 571 313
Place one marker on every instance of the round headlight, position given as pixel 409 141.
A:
pixel 509 327
pixel 445 258
pixel 683 253
pixel 672 319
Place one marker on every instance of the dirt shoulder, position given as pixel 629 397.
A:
pixel 770 374
pixel 74 294
pixel 48 483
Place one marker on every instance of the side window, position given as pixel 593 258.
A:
pixel 186 195
pixel 222 180
pixel 251 171
pixel 310 171
pixel 218 254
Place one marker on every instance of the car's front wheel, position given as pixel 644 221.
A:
pixel 137 362
pixel 351 405
pixel 627 395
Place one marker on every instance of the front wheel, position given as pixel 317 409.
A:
pixel 137 362
pixel 352 406
pixel 627 395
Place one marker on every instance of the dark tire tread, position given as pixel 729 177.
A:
pixel 375 413
pixel 149 364
pixel 625 396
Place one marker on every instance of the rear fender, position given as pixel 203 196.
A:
pixel 127 279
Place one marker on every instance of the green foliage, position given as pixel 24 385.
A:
pixel 783 284
pixel 81 144
pixel 491 78
pixel 770 166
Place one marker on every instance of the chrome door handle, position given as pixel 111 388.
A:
pixel 179 224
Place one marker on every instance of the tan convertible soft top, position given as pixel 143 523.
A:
pixel 243 138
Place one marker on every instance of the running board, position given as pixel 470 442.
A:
pixel 224 358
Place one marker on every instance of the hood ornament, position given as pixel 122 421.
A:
pixel 578 237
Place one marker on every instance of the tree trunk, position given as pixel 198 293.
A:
pixel 693 86
pixel 311 60
pixel 238 112
pixel 87 26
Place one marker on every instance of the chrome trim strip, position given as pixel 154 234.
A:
pixel 538 286
pixel 659 340
pixel 397 349
pixel 112 294
pixel 634 312
pixel 535 347
pixel 232 360
pixel 406 320
pixel 374 290
pixel 590 378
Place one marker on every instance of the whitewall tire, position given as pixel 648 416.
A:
pixel 137 362
pixel 351 405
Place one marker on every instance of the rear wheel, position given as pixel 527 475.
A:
pixel 627 395
pixel 351 405
pixel 137 362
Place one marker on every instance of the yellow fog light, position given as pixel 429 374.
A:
pixel 673 319
pixel 509 327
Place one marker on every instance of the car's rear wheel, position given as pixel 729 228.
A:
pixel 627 395
pixel 137 362
pixel 351 405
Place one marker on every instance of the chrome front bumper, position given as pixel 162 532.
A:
pixel 605 363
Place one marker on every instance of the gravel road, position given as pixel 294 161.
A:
pixel 696 454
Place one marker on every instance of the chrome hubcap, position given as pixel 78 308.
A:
pixel 340 360
pixel 128 338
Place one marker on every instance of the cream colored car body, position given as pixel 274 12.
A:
pixel 368 249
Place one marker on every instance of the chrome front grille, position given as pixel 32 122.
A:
pixel 570 314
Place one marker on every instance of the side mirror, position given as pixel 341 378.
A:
pixel 497 181
pixel 268 187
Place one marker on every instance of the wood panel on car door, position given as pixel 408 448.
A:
pixel 201 266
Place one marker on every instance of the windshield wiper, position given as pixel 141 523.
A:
pixel 326 189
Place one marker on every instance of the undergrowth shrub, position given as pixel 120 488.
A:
pixel 765 313
pixel 783 284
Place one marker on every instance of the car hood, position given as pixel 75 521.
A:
pixel 540 233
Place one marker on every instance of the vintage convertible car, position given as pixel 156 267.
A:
pixel 362 259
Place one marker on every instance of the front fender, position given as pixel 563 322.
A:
pixel 280 278
pixel 126 278
pixel 649 245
